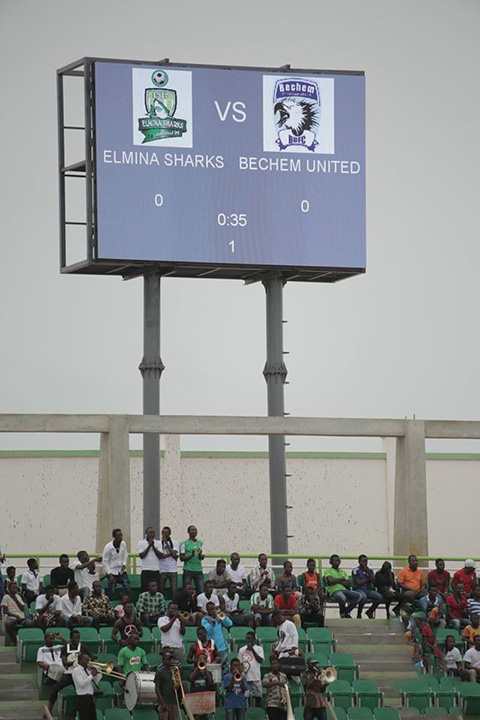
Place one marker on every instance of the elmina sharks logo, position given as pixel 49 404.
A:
pixel 160 106
pixel 296 108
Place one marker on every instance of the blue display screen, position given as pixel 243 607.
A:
pixel 229 166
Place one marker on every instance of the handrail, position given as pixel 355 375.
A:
pixel 424 560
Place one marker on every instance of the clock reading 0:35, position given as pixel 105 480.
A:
pixel 232 220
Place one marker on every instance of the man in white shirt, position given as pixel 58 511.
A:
pixel 238 574
pixel 86 681
pixel 452 659
pixel 287 643
pixel 472 660
pixel 149 553
pixel 168 561
pixel 172 631
pixel 231 604
pixel 13 611
pixel 85 573
pixel 208 596
pixel 253 655
pixel 32 582
pixel 48 607
pixel 49 654
pixel 115 563
pixel 72 608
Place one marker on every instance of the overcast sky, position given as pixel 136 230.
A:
pixel 402 339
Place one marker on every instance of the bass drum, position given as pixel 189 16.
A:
pixel 140 689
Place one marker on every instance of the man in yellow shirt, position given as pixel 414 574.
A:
pixel 472 630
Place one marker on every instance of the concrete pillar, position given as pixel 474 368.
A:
pixel 410 532
pixel 113 503
pixel 390 448
pixel 171 491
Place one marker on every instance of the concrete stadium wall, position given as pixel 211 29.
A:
pixel 339 503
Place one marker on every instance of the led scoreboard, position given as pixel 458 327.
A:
pixel 200 170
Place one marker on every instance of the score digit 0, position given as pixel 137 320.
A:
pixel 304 206
pixel 158 200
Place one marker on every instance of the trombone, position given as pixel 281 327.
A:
pixel 177 682
pixel 106 668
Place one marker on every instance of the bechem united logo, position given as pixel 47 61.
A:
pixel 296 109
pixel 160 106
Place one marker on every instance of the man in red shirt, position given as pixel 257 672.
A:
pixel 429 643
pixel 286 603
pixel 457 608
pixel 439 577
pixel 467 576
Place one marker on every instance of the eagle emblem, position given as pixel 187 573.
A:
pixel 296 109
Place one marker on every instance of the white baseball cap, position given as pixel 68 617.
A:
pixel 469 563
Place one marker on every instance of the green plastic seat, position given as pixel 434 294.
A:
pixel 117 714
pixel 154 660
pixel 146 641
pixel 345 666
pixel 436 711
pixel 190 634
pixel 267 634
pixel 296 694
pixel 298 713
pixel 359 713
pixel 321 639
pixel 368 693
pixel 30 640
pixel 104 700
pixel 340 712
pixel 455 712
pixel 220 713
pixel 341 693
pixel 409 712
pixel 238 635
pixel 99 715
pixel 255 713
pixel 90 639
pixel 67 702
pixel 245 605
pixel 144 714
pixel 107 644
pixel 385 713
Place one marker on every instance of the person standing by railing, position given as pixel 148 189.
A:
pixel 150 554
pixel 114 560
pixel 191 554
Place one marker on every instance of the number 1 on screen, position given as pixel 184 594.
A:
pixel 232 245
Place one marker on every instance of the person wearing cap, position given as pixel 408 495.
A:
pixel 411 580
pixel 315 705
pixel 467 576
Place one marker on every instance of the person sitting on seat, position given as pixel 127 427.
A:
pixel 311 607
pixel 201 680
pixel 186 600
pixel 69 657
pixel 252 656
pixel 49 654
pixel 472 660
pixel 457 608
pixel 467 576
pixel 202 646
pixel 98 606
pixel 236 690
pixel 338 588
pixel 288 579
pixel 132 658
pixel 208 596
pixel 432 604
pixel 473 603
pixel 471 631
pixel 452 659
pixel 262 574
pixel 286 603
pixel 151 605
pixel 48 608
pixel 219 577
pixel 125 625
pixel 114 559
pixel 439 577
pixel 429 642
pixel 214 627
pixel 32 582
pixel 119 610
pixel 85 572
pixel 386 584
pixel 61 576
pixel 311 577
pixel 13 610
pixel 315 705
pixel 261 604
pixel 363 582
pixel 287 644
pixel 72 608
pixel 411 581
pixel 172 631
pixel 230 603
pixel 11 577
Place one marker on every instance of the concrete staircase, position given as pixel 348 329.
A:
pixel 18 690
pixel 379 648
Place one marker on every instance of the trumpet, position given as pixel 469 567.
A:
pixel 221 615
pixel 237 676
pixel 184 615
pixel 325 676
pixel 107 668
pixel 201 663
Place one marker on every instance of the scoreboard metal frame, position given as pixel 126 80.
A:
pixel 85 169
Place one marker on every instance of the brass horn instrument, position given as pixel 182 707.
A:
pixel 201 663
pixel 107 668
pixel 326 675
pixel 237 676
pixel 177 682
pixel 221 615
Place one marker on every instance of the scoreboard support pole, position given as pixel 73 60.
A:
pixel 275 373
pixel 151 369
